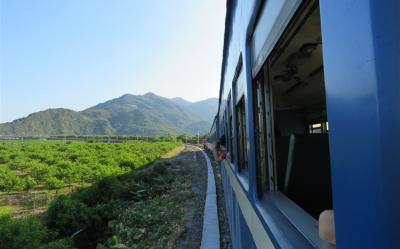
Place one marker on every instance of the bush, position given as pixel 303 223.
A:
pixel 66 216
pixel 41 171
pixel 127 164
pixel 53 183
pixel 24 233
pixel 9 181
pixel 4 157
pixel 105 190
pixel 29 183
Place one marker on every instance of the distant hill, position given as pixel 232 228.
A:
pixel 146 114
pixel 181 101
pixel 54 121
pixel 206 109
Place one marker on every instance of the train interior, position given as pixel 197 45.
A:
pixel 296 80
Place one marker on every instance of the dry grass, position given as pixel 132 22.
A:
pixel 173 152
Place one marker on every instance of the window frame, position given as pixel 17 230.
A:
pixel 266 179
pixel 241 128
pixel 274 206
pixel 230 128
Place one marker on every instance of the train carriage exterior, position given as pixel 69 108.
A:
pixel 310 110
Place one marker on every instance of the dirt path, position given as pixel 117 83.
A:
pixel 193 162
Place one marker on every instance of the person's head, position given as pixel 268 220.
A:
pixel 222 141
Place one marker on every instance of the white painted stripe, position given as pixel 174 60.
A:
pixel 257 230
pixel 210 238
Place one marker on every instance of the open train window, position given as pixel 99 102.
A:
pixel 230 122
pixel 291 121
pixel 226 129
pixel 242 138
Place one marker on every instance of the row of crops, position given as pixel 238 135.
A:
pixel 107 205
pixel 58 164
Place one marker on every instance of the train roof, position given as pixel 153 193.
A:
pixel 228 22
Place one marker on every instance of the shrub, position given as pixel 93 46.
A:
pixel 4 157
pixel 24 233
pixel 41 171
pixel 105 190
pixel 127 164
pixel 53 183
pixel 29 183
pixel 9 181
pixel 66 215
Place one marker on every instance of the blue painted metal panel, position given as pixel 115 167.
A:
pixel 361 64
pixel 229 202
pixel 385 26
pixel 240 233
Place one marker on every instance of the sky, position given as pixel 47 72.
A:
pixel 75 54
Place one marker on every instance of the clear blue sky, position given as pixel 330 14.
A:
pixel 75 54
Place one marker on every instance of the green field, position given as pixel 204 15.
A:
pixel 33 172
pixel 59 195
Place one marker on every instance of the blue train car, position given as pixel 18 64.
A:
pixel 310 109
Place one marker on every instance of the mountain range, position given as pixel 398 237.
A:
pixel 147 114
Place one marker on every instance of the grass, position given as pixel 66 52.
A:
pixel 155 222
pixel 173 152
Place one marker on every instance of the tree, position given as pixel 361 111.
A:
pixel 41 171
pixel 53 183
pixel 9 181
pixel 29 183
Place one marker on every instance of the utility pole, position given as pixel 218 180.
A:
pixel 198 138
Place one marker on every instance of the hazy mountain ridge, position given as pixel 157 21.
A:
pixel 146 114
pixel 206 109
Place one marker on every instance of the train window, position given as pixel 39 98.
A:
pixel 241 138
pixel 315 128
pixel 226 129
pixel 230 121
pixel 294 118
pixel 232 153
pixel 318 128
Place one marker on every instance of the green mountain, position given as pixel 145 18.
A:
pixel 205 109
pixel 147 114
